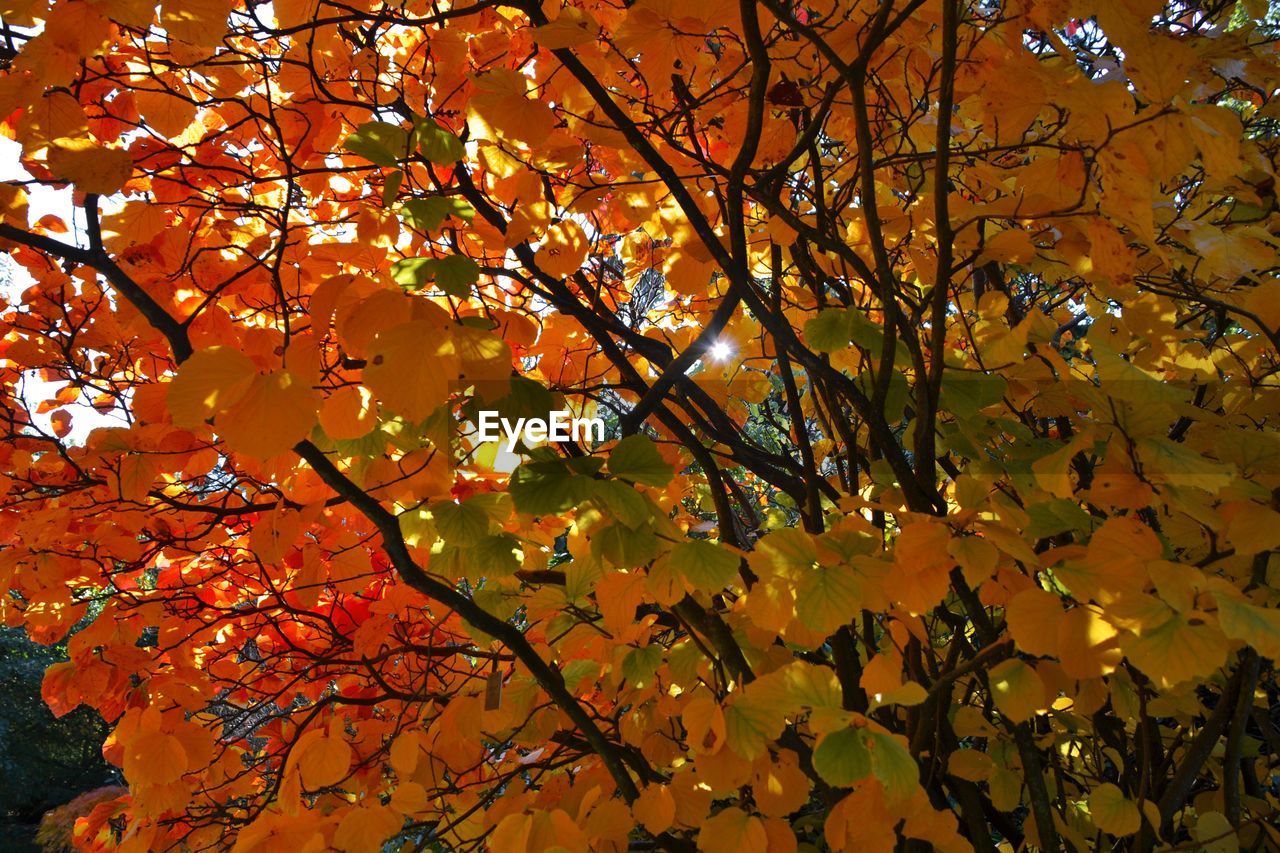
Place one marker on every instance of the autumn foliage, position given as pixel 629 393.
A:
pixel 938 343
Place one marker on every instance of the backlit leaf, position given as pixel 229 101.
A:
pixel 209 382
pixel 706 565
pixel 379 142
pixel 841 757
pixel 1111 812
pixel 636 459
pixel 1017 689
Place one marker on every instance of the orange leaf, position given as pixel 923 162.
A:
pixel 275 413
pixel 209 382
pixel 324 761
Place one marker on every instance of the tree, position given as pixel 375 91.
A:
pixel 938 341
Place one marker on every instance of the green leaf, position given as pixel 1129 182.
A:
pixel 527 399
pixel 453 274
pixel 893 765
pixel 750 722
pixel 587 466
pixel 494 556
pixel 417 527
pixel 864 332
pixel 895 399
pixel 426 214
pixel 966 393
pixel 828 597
pixel 460 523
pixel 636 459
pixel 412 272
pixel 547 487
pixel 829 331
pixel 834 328
pixel 1174 462
pixel 379 142
pixel 624 547
pixel 1257 626
pixel 705 564
pixel 496 504
pixel 1056 516
pixel 626 504
pixel 639 666
pixel 391 186
pixel 437 144
pixel 841 758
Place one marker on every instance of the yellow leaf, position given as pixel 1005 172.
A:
pixel 1009 246
pixel 827 597
pixel 564 249
pixel 137 474
pixel 1216 131
pixel 411 368
pixel 24 13
pixel 971 764
pixel 882 681
pixel 1177 650
pixel 409 798
pixel 136 223
pixel 779 786
pixel 781 838
pixel 977 557
pixel 1216 833
pixel 1033 616
pixel 1088 647
pixel 732 831
pixel 91 167
pixel 1158 66
pixel 132 13
pixel 209 382
pixel 484 356
pixel 1053 472
pixel 1111 812
pixel 786 553
pixel 13 205
pixel 755 717
pixel 406 749
pixel 501 101
pixel 1257 626
pixel 1017 690
pixel 511 834
pixel 706 565
pixel 1254 528
pixel 56 116
pixel 198 22
pixel 571 27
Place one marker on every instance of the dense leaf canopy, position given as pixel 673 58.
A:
pixel 937 342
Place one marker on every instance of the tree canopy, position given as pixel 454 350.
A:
pixel 937 342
